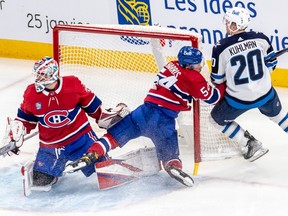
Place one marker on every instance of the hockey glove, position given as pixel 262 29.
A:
pixel 111 116
pixel 13 138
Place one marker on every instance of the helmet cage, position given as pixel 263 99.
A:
pixel 45 72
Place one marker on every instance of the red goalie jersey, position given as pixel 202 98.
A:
pixel 176 87
pixel 60 113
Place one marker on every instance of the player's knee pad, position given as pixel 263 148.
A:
pixel 42 179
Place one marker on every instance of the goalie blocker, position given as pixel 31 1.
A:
pixel 13 138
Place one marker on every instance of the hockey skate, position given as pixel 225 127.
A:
pixel 84 161
pixel 254 149
pixel 180 176
pixel 174 169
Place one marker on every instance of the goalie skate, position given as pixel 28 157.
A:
pixel 74 166
pixel 180 176
pixel 84 161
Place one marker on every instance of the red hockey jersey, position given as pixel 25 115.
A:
pixel 175 88
pixel 61 113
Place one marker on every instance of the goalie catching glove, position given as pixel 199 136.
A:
pixel 13 137
pixel 111 116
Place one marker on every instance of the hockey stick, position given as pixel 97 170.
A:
pixel 277 54
pixel 27 137
pixel 12 144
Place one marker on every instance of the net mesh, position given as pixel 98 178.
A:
pixel 119 63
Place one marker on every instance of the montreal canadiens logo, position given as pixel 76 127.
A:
pixel 57 118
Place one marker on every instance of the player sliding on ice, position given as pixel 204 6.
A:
pixel 59 105
pixel 177 84
pixel 242 62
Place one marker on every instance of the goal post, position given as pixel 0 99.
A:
pixel 119 63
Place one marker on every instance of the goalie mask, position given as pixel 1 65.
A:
pixel 190 56
pixel 45 72
pixel 239 16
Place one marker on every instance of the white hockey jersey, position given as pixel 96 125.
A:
pixel 239 61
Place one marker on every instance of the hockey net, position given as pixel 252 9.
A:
pixel 119 63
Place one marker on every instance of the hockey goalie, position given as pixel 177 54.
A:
pixel 59 107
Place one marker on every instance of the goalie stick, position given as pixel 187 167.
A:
pixel 12 144
pixel 7 148
pixel 277 54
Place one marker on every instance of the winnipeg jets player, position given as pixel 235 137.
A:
pixel 59 106
pixel 177 84
pixel 239 61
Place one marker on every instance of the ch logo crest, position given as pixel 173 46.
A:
pixel 57 118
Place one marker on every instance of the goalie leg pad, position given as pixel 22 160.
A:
pixel 35 181
pixel 42 179
pixel 127 168
pixel 144 159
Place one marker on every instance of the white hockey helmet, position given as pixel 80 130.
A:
pixel 45 71
pixel 238 15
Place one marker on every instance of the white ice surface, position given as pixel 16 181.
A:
pixel 231 187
